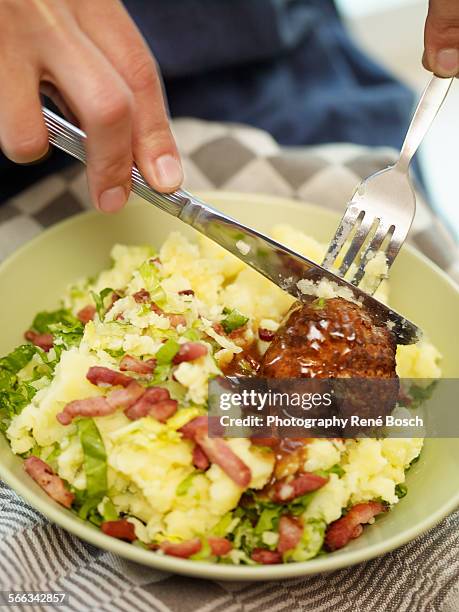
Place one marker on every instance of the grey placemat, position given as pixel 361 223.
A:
pixel 37 555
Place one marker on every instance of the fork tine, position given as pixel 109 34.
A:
pixel 356 243
pixel 345 227
pixel 372 247
pixel 398 238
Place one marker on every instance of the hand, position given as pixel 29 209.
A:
pixel 441 38
pixel 89 55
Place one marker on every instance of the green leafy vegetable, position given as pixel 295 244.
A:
pixel 66 329
pixel 401 490
pixel 15 394
pixel 204 553
pixel 419 395
pixel 18 359
pixel 416 395
pixel 192 334
pixel 310 543
pixel 44 320
pixel 224 524
pixel 335 469
pixel 95 464
pixel 233 320
pixel 269 519
pixel 109 512
pixel 186 483
pixel 99 300
pixel 318 303
pixel 167 352
pixel 149 273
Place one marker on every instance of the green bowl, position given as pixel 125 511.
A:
pixel 35 277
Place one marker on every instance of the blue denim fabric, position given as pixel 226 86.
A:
pixel 287 66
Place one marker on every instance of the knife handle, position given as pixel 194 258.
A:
pixel 71 140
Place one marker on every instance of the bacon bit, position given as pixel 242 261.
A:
pixel 49 481
pixel 349 527
pixel 121 529
pixel 43 341
pixel 186 292
pixel 156 309
pixel 265 556
pixel 219 546
pixel 189 352
pixel 218 327
pixel 156 261
pixel 271 442
pixel 266 334
pixel 132 364
pixel 219 452
pixel 127 397
pixel 190 429
pixel 101 376
pixel 183 549
pixel 306 482
pixel 161 411
pixel 238 333
pixel 200 460
pixel 143 406
pixel 142 296
pixel 176 320
pixel 89 407
pixel 87 314
pixel 290 532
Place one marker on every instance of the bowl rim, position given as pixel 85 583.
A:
pixel 338 560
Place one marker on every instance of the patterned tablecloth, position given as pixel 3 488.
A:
pixel 36 555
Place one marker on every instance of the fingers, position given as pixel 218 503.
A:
pixel 103 104
pixel 441 38
pixel 154 148
pixel 23 135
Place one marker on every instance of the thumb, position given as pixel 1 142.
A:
pixel 441 38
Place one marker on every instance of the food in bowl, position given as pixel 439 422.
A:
pixel 107 405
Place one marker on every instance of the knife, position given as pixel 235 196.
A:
pixel 281 265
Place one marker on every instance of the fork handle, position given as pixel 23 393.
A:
pixel 426 111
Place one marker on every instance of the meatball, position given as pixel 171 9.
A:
pixel 330 338
pixel 337 339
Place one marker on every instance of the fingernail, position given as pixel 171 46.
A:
pixel 112 199
pixel 447 62
pixel 168 172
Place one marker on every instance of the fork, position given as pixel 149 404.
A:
pixel 381 211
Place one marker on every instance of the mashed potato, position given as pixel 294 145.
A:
pixel 151 478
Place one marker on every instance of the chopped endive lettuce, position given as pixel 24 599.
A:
pixel 107 510
pixel 269 520
pixel 233 320
pixel 15 394
pixel 17 359
pixel 95 465
pixel 44 320
pixel 66 329
pixel 401 490
pixel 310 543
pixel 186 483
pixel 192 334
pixel 225 525
pixel 167 352
pixel 204 553
pixel 149 273
pixel 99 300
